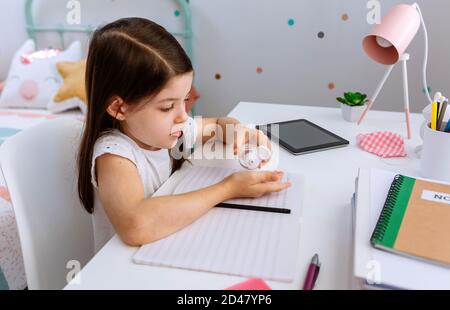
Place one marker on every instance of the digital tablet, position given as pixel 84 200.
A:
pixel 302 136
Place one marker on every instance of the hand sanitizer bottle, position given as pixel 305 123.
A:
pixel 251 157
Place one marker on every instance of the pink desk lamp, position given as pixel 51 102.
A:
pixel 387 45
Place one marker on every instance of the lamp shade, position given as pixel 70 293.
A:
pixel 389 40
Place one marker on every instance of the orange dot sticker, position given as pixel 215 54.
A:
pixel 344 17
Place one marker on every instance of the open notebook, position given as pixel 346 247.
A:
pixel 232 241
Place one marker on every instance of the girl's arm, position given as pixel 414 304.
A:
pixel 139 220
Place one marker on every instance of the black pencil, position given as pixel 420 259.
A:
pixel 441 116
pixel 253 208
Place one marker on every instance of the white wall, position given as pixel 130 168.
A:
pixel 234 37
pixel 93 12
pixel 12 31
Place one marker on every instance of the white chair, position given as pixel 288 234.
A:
pixel 39 166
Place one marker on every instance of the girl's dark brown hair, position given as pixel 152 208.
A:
pixel 132 58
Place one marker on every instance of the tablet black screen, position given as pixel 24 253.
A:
pixel 303 136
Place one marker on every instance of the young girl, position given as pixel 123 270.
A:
pixel 138 78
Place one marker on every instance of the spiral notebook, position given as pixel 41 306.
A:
pixel 415 220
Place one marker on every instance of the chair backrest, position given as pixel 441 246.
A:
pixel 39 166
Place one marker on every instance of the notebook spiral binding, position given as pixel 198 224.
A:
pixel 385 217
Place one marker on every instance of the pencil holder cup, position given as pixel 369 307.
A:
pixel 434 162
pixel 427 116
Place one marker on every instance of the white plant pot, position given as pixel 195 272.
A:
pixel 352 114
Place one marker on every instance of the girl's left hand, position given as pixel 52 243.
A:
pixel 251 136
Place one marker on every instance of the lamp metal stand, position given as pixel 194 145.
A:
pixel 404 59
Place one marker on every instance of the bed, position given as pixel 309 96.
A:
pixel 12 121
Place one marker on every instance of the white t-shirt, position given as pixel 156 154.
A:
pixel 154 168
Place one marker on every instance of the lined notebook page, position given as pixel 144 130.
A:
pixel 201 177
pixel 229 241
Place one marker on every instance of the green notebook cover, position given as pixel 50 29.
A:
pixel 391 217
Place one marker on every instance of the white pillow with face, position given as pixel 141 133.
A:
pixel 31 84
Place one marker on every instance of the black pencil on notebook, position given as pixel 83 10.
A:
pixel 253 208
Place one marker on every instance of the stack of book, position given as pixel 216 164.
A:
pixel 401 232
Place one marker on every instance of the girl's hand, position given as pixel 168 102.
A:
pixel 253 137
pixel 254 184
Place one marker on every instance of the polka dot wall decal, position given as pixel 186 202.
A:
pixel 291 22
pixel 321 35
pixel 331 86
pixel 259 70
pixel 344 17
pixel 218 76
pixel 176 13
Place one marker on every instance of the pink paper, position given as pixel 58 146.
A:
pixel 251 284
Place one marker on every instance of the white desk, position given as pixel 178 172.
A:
pixel 329 179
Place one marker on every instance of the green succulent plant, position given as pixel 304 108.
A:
pixel 353 99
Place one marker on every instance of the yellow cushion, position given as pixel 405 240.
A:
pixel 73 81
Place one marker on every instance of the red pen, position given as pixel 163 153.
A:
pixel 313 273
